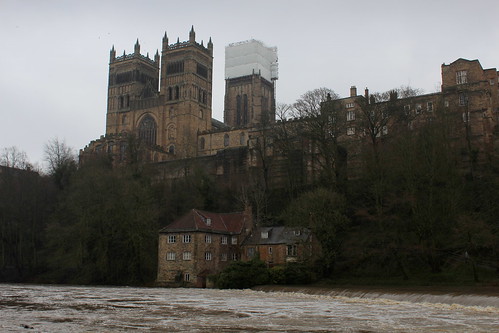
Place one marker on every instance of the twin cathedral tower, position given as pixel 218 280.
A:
pixel 166 102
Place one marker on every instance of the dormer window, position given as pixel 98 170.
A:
pixel 265 234
pixel 208 221
pixel 297 232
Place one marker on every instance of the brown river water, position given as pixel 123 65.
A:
pixel 55 308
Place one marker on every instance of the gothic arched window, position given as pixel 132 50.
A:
pixel 245 109
pixel 147 130
pixel 238 110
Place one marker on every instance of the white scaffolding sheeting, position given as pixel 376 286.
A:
pixel 251 57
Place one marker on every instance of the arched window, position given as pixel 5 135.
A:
pixel 147 130
pixel 238 110
pixel 245 109
pixel 242 138
pixel 226 140
pixel 201 143
pixel 172 132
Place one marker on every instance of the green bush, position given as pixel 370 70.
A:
pixel 243 274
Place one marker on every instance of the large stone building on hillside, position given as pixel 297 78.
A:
pixel 201 244
pixel 164 104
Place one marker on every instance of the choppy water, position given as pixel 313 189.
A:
pixel 37 308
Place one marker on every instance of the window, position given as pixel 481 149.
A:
pixel 234 256
pixel 186 255
pixel 175 67
pixel 171 149
pixel 208 223
pixel 187 238
pixel 202 143
pixel 350 115
pixel 234 240
pixel 187 277
pixel 419 107
pixel 224 240
pixel 446 104
pixel 171 238
pixel 270 249
pixel 384 130
pixel 350 105
pixel 350 130
pixel 226 140
pixel 224 257
pixel 170 256
pixel 429 106
pixel 461 77
pixel 463 99
pixel 147 130
pixel 207 256
pixel 177 92
pixel 207 239
pixel 291 250
pixel 466 117
pixel 251 252
pixel 201 113
pixel 242 139
pixel 202 70
pixel 265 234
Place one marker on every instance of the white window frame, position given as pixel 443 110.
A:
pixel 461 77
pixel 350 115
pixel 187 277
pixel 234 256
pixel 170 256
pixel 223 240
pixel 207 239
pixel 224 257
pixel 270 249
pixel 419 108
pixel 208 256
pixel 171 239
pixel 350 130
pixel 429 106
pixel 350 105
pixel 186 238
pixel 187 255
pixel 233 240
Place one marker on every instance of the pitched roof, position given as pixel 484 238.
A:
pixel 278 235
pixel 198 220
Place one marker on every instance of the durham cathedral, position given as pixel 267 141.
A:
pixel 164 106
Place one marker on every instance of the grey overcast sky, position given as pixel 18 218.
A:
pixel 54 54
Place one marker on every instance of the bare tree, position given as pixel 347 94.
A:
pixel 61 161
pixel 309 104
pixel 14 158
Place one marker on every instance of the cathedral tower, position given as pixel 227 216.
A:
pixel 250 74
pixel 186 88
pixel 132 79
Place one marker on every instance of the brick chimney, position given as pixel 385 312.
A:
pixel 353 91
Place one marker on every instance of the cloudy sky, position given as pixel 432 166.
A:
pixel 54 54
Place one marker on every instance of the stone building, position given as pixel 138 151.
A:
pixel 277 246
pixel 200 244
pixel 163 105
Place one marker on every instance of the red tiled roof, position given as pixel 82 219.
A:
pixel 197 220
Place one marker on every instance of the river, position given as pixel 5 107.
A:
pixel 55 308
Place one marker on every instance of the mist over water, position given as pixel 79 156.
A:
pixel 38 308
